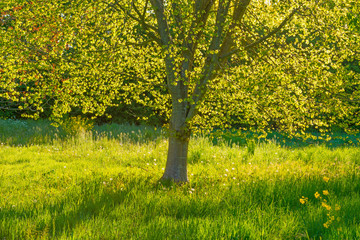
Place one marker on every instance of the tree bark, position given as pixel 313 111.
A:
pixel 179 135
pixel 176 164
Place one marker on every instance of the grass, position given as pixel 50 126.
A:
pixel 104 185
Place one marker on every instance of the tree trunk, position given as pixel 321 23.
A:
pixel 179 135
pixel 176 165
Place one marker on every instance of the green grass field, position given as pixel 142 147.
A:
pixel 104 185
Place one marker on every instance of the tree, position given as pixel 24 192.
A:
pixel 259 63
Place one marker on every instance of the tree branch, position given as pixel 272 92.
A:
pixel 201 11
pixel 239 12
pixel 163 27
pixel 141 19
pixel 274 31
pixel 166 41
pixel 262 39
pixel 211 62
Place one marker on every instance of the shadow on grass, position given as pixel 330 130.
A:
pixel 262 204
pixel 41 132
pixel 30 132
pixel 337 139
pixel 84 202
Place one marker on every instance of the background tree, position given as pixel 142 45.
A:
pixel 259 64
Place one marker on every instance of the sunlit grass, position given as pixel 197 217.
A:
pixel 104 185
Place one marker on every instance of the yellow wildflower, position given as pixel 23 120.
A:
pixel 328 207
pixel 303 200
pixel 326 192
pixel 326 225
pixel 317 195
pixel 326 179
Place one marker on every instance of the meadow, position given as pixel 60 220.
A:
pixel 103 184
